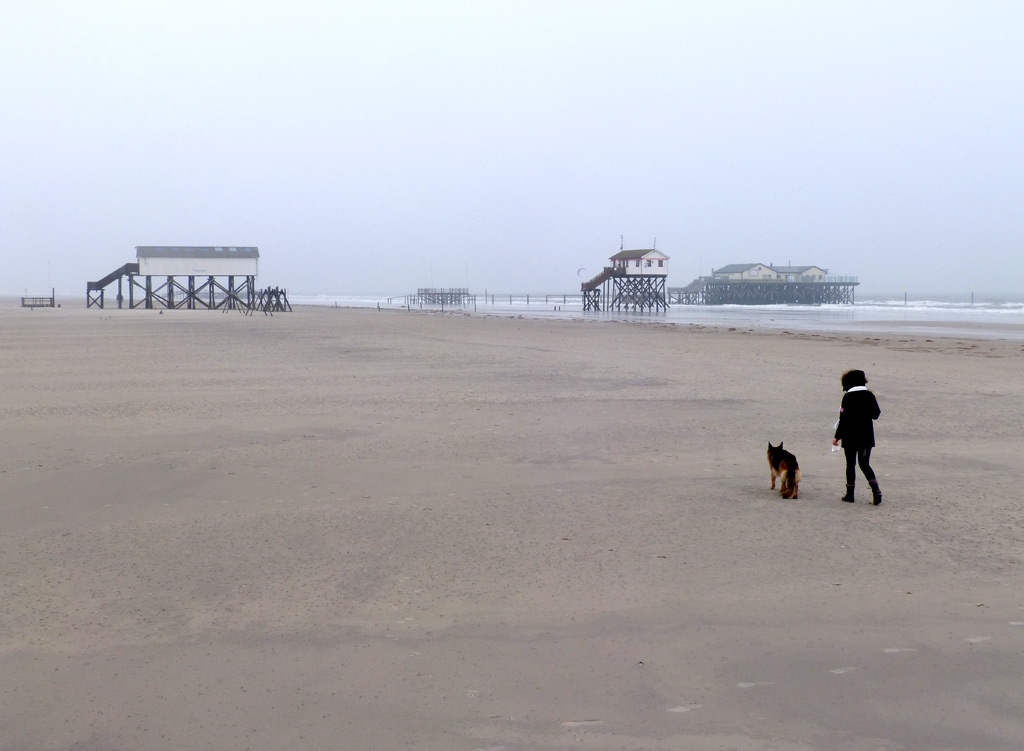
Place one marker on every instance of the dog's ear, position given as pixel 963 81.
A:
pixel 780 443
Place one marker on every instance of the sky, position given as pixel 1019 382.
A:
pixel 372 148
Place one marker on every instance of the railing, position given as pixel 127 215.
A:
pixel 790 279
pixel 128 268
pixel 40 302
pixel 465 299
pixel 522 298
pixel 37 302
pixel 606 273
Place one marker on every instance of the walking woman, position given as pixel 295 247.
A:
pixel 856 431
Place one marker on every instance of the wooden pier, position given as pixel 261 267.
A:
pixel 40 302
pixel 454 297
pixel 710 291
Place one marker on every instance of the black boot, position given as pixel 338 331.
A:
pixel 849 494
pixel 876 493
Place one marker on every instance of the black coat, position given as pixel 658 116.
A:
pixel 859 410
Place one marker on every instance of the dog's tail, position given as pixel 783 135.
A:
pixel 789 473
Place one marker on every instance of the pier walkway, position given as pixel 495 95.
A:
pixel 711 291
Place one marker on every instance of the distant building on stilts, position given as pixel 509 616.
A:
pixel 764 284
pixel 635 281
pixel 203 277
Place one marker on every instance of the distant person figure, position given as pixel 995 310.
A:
pixel 856 430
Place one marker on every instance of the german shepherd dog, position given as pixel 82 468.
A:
pixel 784 467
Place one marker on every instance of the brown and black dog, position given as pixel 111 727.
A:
pixel 784 466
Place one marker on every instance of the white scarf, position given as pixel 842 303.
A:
pixel 850 391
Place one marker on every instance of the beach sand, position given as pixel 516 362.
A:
pixel 352 529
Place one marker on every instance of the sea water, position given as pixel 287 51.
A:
pixel 983 318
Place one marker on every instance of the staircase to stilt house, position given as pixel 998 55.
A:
pixel 94 290
pixel 128 268
pixel 606 273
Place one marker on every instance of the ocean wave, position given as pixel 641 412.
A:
pixel 990 319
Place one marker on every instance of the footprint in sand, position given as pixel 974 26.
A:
pixel 978 639
pixel 752 685
pixel 895 650
pixel 580 723
pixel 685 708
pixel 840 671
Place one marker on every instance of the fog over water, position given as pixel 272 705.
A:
pixel 371 148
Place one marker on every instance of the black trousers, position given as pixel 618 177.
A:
pixel 854 457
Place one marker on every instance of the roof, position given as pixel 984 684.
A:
pixel 739 268
pixel 736 268
pixel 195 251
pixel 630 254
pixel 794 269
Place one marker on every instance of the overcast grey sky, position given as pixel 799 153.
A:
pixel 376 147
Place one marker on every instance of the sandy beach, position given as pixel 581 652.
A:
pixel 352 529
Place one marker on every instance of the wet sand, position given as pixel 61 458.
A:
pixel 351 529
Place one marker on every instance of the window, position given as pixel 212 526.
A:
pixel 647 263
pixel 660 263
pixel 638 263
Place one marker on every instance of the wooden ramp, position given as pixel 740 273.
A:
pixel 606 273
pixel 94 290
